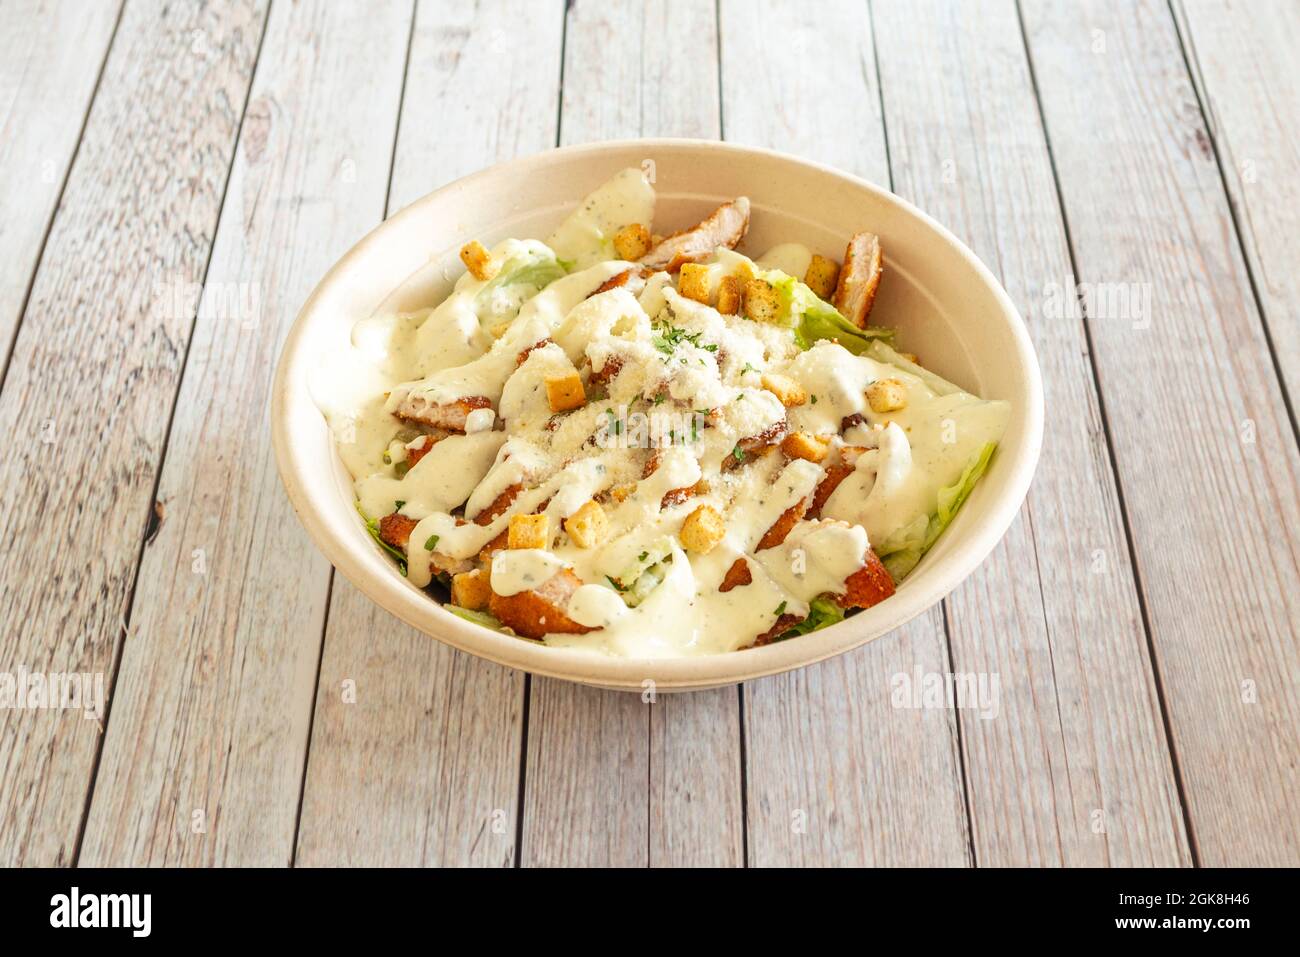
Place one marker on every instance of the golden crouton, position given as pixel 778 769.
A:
pixel 743 272
pixel 822 275
pixel 471 589
pixel 702 530
pixel 565 392
pixel 477 260
pixel 693 282
pixel 801 445
pixel 587 526
pixel 762 302
pixel 632 242
pixel 886 395
pixel 730 292
pixel 790 393
pixel 529 531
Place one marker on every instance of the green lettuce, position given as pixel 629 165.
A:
pixel 372 526
pixel 813 318
pixel 478 617
pixel 534 269
pixel 822 613
pixel 903 549
pixel 883 352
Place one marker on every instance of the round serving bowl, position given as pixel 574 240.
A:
pixel 947 307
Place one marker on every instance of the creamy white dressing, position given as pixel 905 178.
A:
pixel 641 592
pixel 587 236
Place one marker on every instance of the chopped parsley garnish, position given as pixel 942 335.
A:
pixel 738 454
pixel 431 543
pixel 397 506
pixel 780 610
pixel 617 586
pixel 643 556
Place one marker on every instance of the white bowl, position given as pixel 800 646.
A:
pixel 946 305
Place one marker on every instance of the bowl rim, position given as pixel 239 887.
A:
pixel 422 612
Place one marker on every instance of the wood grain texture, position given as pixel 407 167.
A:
pixel 423 769
pixel 1073 768
pixel 203 757
pixel 50 58
pixel 1243 60
pixel 92 381
pixel 836 775
pixel 607 783
pixel 1207 459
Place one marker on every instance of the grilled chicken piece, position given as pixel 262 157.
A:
pixel 725 226
pixel 737 575
pixel 396 530
pixel 783 624
pixel 537 612
pixel 451 416
pixel 856 290
pixel 633 280
pixel 867 586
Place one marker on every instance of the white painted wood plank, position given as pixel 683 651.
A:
pixel 1206 456
pixel 50 57
pixel 424 768
pixel 93 377
pixel 203 757
pixel 1072 768
pixel 836 775
pixel 1243 59
pixel 608 783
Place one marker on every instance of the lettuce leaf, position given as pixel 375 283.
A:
pixel 478 617
pixel 813 318
pixel 533 269
pixel 883 352
pixel 372 526
pixel 902 550
pixel 822 613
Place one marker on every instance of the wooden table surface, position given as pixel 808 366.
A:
pixel 175 178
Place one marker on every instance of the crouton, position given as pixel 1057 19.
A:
pixel 730 294
pixel 822 275
pixel 790 392
pixel 415 407
pixel 588 525
pixel 737 575
pixel 539 611
pixel 632 242
pixel 725 226
pixel 478 261
pixel 886 395
pixel 788 519
pixel 762 303
pixel 702 530
pixel 855 291
pixel 471 590
pixel 801 445
pixel 529 531
pixel 565 392
pixel 693 282
pixel 868 586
